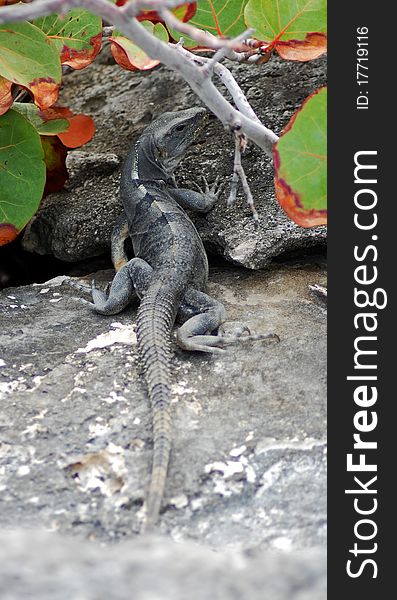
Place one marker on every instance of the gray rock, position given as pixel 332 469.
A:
pixel 73 224
pixel 248 461
pixel 44 566
pixel 76 223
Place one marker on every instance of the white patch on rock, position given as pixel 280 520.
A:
pixel 250 473
pixel 236 452
pixel 7 387
pixel 269 443
pixel 2 363
pixel 104 470
pixel 96 429
pixel 197 504
pixel 180 389
pixel 179 501
pixel 121 335
pixel 54 282
pixel 228 468
pixel 282 543
pixel 32 430
pixel 114 397
pixel 23 470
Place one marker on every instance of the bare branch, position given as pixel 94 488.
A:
pixel 172 55
pixel 239 173
pixel 203 38
pixel 222 52
pixel 229 82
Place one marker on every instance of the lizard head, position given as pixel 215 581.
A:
pixel 172 133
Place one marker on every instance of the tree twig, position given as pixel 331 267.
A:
pixel 239 173
pixel 166 53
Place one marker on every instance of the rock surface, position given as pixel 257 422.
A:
pixel 248 463
pixel 53 568
pixel 76 223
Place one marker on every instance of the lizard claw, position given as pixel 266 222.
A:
pixel 214 190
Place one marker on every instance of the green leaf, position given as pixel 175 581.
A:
pixel 77 35
pixel 300 162
pixel 29 59
pixel 42 126
pixel 22 170
pixel 219 17
pixel 284 20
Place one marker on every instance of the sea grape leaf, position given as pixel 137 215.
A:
pixel 73 130
pixel 223 18
pixel 38 119
pixel 55 160
pixel 183 11
pixel 81 131
pixel 77 36
pixel 300 163
pixel 81 127
pixel 29 59
pixel 5 95
pixel 311 47
pixel 289 26
pixel 21 181
pixel 129 56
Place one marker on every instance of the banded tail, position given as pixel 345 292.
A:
pixel 156 316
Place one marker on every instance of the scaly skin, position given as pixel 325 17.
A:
pixel 174 262
pixel 168 274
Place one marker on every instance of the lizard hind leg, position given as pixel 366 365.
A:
pixel 130 282
pixel 202 315
pixel 206 315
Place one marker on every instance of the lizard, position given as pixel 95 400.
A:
pixel 168 273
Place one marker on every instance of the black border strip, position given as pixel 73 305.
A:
pixel 352 130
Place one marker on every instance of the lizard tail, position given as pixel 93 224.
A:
pixel 156 316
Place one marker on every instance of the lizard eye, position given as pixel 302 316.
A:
pixel 180 127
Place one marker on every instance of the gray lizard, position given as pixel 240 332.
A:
pixel 168 274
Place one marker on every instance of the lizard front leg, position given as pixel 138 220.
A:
pixel 201 201
pixel 118 237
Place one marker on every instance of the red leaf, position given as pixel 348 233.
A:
pixel 151 15
pixel 311 47
pixel 56 112
pixel 54 156
pixel 129 62
pixel 45 91
pixel 78 59
pixel 7 233
pixel 81 130
pixel 5 94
